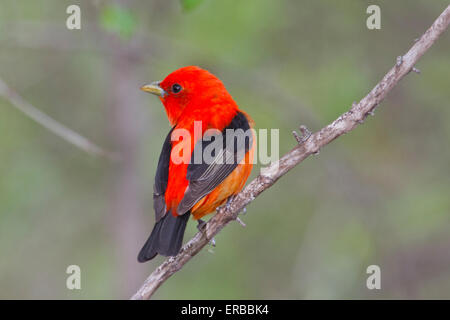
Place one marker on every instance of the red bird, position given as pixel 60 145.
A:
pixel 196 101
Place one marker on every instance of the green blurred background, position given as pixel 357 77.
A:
pixel 379 195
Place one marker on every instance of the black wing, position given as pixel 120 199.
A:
pixel 161 178
pixel 205 176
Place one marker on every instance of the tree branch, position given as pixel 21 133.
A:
pixel 51 124
pixel 345 123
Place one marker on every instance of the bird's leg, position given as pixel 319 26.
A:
pixel 229 201
pixel 201 224
pixel 228 207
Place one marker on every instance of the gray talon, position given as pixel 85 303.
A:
pixel 229 200
pixel 201 224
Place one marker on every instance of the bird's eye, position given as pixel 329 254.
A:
pixel 176 88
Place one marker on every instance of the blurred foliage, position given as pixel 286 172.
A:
pixel 188 5
pixel 116 19
pixel 378 195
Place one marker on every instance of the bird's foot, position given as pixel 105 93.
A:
pixel 201 224
pixel 229 201
pixel 228 204
pixel 228 207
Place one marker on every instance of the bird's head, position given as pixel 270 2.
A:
pixel 188 87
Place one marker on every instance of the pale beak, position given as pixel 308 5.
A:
pixel 154 88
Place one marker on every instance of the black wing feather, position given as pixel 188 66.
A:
pixel 205 177
pixel 161 178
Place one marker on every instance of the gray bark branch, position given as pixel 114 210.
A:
pixel 345 123
pixel 51 124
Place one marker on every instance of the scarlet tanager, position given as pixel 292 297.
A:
pixel 195 99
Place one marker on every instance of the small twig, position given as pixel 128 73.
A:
pixel 52 125
pixel 241 222
pixel 305 134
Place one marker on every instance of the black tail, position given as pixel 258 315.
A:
pixel 166 237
